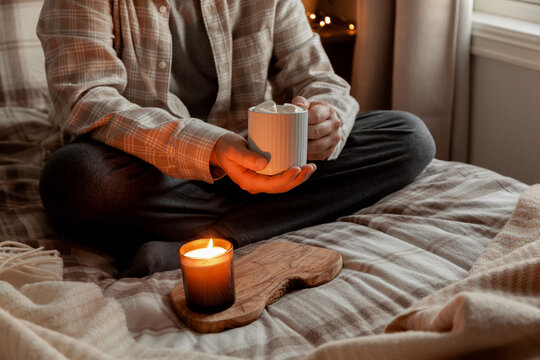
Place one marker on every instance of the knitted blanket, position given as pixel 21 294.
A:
pixel 42 317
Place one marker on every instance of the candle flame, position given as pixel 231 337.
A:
pixel 207 252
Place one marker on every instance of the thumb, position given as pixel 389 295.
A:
pixel 238 152
pixel 249 159
pixel 300 101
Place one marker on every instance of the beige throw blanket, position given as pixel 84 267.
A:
pixel 494 313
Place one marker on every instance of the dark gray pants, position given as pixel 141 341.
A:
pixel 116 202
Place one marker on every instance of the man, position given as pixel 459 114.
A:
pixel 155 95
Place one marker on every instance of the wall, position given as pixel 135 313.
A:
pixel 505 118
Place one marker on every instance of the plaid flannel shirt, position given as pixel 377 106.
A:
pixel 108 69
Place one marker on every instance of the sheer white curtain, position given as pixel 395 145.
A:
pixel 413 55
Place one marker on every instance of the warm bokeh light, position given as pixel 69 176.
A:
pixel 328 24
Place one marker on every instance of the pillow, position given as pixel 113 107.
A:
pixel 22 64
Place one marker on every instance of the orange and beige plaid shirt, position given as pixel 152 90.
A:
pixel 108 66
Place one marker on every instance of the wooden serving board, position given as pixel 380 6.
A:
pixel 262 277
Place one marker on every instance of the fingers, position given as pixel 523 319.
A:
pixel 247 158
pixel 324 128
pixel 305 173
pixel 255 183
pixel 300 101
pixel 322 148
pixel 288 179
pixel 233 148
pixel 319 112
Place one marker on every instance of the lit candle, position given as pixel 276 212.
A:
pixel 207 273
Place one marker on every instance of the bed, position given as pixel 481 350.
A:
pixel 410 262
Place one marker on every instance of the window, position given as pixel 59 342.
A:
pixel 537 2
pixel 508 31
pixel 527 10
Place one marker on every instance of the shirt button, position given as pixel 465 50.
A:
pixel 162 65
pixel 163 9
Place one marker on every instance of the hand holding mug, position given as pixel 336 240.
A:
pixel 232 155
pixel 323 128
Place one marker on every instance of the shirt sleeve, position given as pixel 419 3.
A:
pixel 300 67
pixel 87 81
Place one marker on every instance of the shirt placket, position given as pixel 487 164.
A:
pixel 164 54
pixel 216 20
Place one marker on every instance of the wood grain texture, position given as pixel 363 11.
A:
pixel 262 277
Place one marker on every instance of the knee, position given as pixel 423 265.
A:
pixel 418 146
pixel 71 186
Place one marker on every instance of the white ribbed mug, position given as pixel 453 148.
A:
pixel 281 138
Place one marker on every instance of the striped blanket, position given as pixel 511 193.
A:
pixel 405 248
pixel 493 313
